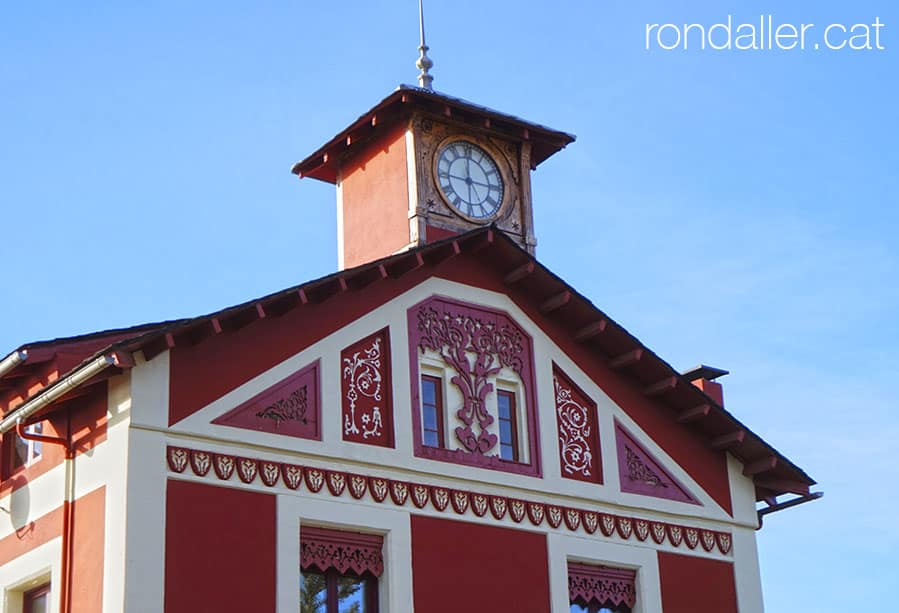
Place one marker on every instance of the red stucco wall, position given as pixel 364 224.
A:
pixel 461 566
pixel 696 585
pixel 219 549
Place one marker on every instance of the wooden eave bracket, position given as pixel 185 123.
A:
pixel 519 272
pixel 590 331
pixel 661 387
pixel 555 302
pixel 783 485
pixel 729 440
pixel 695 414
pixel 760 466
pixel 626 359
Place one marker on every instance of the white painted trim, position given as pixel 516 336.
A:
pixel 562 549
pixel 341 239
pixel 742 493
pixel 415 222
pixel 747 574
pixel 144 574
pixel 28 571
pixel 394 585
pixel 114 534
pixel 150 391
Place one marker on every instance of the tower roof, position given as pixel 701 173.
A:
pixel 399 105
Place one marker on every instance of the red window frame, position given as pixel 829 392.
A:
pixel 437 407
pixel 513 424
pixel 30 596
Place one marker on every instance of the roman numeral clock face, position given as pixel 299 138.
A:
pixel 470 180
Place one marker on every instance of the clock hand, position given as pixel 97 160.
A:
pixel 472 187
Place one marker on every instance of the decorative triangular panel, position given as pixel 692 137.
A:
pixel 365 387
pixel 290 407
pixel 641 473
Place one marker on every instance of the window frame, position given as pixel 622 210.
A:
pixel 332 576
pixel 34 450
pixel 29 597
pixel 513 424
pixel 339 553
pixel 598 587
pixel 439 410
pixel 423 361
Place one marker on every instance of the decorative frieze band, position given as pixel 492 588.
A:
pixel 335 482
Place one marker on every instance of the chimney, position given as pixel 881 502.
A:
pixel 703 377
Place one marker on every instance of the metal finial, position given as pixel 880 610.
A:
pixel 424 63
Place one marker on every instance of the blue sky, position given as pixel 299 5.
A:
pixel 731 208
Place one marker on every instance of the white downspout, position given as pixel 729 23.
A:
pixel 58 389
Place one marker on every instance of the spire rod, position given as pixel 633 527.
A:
pixel 424 63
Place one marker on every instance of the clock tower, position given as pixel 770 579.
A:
pixel 421 166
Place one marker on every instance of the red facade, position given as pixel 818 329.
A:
pixel 482 569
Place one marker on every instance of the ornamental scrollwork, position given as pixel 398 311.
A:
pixel 605 587
pixel 574 432
pixel 363 372
pixel 291 408
pixel 637 470
pixel 476 350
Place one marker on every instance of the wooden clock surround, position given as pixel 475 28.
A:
pixel 384 167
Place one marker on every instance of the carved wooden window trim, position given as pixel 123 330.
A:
pixel 335 555
pixel 325 549
pixel 594 587
pixel 421 357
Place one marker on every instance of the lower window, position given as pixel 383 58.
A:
pixel 600 589
pixel 339 571
pixel 332 592
pixel 37 600
pixel 583 607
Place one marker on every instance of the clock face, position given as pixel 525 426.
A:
pixel 470 180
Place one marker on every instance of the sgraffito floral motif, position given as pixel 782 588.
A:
pixel 638 471
pixel 324 549
pixel 365 379
pixel 476 348
pixel 641 473
pixel 291 408
pixel 578 438
pixel 609 587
